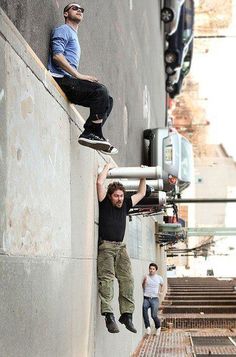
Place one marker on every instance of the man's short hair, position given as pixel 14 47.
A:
pixel 66 8
pixel 114 186
pixel 153 265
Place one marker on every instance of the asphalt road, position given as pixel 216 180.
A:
pixel 122 45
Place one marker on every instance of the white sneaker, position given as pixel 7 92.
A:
pixel 148 331
pixel 158 331
pixel 110 151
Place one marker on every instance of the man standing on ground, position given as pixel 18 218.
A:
pixel 79 88
pixel 152 286
pixel 113 260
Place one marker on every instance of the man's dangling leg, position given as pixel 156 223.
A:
pixel 100 108
pixel 106 275
pixel 125 278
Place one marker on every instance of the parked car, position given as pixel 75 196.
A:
pixel 179 42
pixel 170 14
pixel 173 89
pixel 173 77
pixel 174 82
pixel 174 153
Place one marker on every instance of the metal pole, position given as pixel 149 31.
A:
pixel 154 172
pixel 211 231
pixel 201 200
pixel 211 36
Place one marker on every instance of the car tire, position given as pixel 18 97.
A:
pixel 169 70
pixel 170 57
pixel 148 134
pixel 169 87
pixel 167 15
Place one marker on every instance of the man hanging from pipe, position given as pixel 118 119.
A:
pixel 113 260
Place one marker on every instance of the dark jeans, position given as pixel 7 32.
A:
pixel 88 94
pixel 152 303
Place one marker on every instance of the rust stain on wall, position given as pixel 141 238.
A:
pixel 27 106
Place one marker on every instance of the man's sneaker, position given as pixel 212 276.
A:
pixel 110 151
pixel 93 141
pixel 158 331
pixel 111 323
pixel 148 331
pixel 126 319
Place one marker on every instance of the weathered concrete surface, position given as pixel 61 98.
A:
pixel 49 304
pixel 38 166
pixel 42 313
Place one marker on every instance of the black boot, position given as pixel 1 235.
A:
pixel 111 323
pixel 126 319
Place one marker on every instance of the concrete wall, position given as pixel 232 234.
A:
pixel 34 20
pixel 48 293
pixel 122 45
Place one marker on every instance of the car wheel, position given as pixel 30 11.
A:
pixel 169 70
pixel 148 134
pixel 167 15
pixel 169 87
pixel 170 57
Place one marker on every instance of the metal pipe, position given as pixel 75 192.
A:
pixel 154 172
pixel 201 200
pixel 211 231
pixel 132 185
pixel 155 200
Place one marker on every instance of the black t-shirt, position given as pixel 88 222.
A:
pixel 112 220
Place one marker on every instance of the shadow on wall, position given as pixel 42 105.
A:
pixel 35 20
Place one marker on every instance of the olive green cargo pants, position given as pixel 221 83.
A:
pixel 113 261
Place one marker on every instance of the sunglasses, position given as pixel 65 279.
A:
pixel 76 8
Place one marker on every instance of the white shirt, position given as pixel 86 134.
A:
pixel 152 285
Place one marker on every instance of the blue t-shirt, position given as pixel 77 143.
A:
pixel 64 40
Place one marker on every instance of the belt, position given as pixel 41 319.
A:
pixel 149 297
pixel 112 242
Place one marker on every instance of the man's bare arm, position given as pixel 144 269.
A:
pixel 140 193
pixel 101 191
pixel 161 289
pixel 62 62
pixel 144 282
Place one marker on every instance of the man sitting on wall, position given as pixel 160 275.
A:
pixel 79 88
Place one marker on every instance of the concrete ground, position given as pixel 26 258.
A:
pixel 176 343
pixel 181 343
